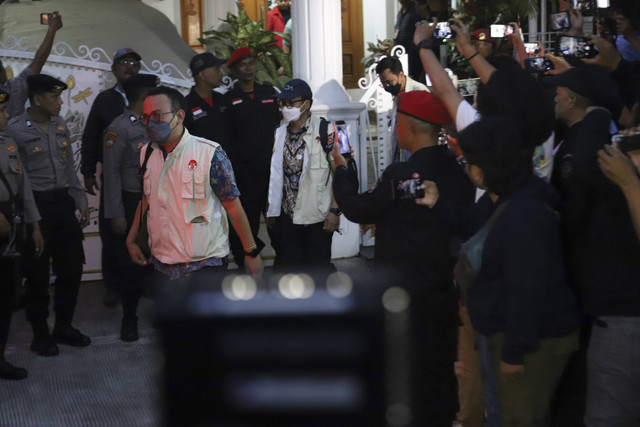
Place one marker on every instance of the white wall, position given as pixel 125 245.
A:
pixel 378 17
pixel 171 8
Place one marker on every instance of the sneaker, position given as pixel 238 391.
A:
pixel 10 372
pixel 44 346
pixel 129 330
pixel 70 336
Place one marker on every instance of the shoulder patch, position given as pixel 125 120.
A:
pixel 11 148
pixel 110 138
pixel 60 127
pixel 133 118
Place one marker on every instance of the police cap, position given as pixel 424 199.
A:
pixel 41 83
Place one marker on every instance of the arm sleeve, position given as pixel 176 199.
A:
pixel 363 208
pixel 31 213
pixel 114 147
pixel 221 176
pixel 466 115
pixel 19 92
pixel 76 189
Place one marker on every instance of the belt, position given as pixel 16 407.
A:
pixel 51 195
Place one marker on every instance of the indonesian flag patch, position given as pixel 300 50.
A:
pixel 236 101
pixel 193 165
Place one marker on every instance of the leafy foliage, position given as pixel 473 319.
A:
pixel 243 32
pixel 382 48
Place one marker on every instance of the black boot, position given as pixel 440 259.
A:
pixel 70 336
pixel 42 342
pixel 129 329
pixel 10 372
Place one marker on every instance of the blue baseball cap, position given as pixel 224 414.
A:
pixel 124 51
pixel 295 88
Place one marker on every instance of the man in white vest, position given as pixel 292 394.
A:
pixel 189 189
pixel 301 209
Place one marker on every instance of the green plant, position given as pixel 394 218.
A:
pixel 458 64
pixel 382 48
pixel 243 32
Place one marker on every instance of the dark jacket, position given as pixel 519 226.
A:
pixel 603 249
pixel 108 105
pixel 209 121
pixel 521 289
pixel 254 118
pixel 409 237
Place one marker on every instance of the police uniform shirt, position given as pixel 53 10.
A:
pixel 47 155
pixel 17 179
pixel 108 105
pixel 19 91
pixel 209 121
pixel 123 139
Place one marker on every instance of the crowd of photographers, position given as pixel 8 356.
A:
pixel 552 244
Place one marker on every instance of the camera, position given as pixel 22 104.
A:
pixel 499 31
pixel 342 135
pixel 538 65
pixel 407 188
pixel 576 47
pixel 627 143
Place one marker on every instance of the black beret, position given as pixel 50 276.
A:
pixel 141 81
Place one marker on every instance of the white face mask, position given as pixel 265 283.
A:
pixel 291 114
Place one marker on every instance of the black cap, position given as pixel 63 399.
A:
pixel 203 61
pixel 141 81
pixel 594 83
pixel 295 88
pixel 39 83
pixel 4 96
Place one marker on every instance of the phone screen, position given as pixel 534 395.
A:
pixel 408 189
pixel 343 138
pixel 577 47
pixel 44 18
pixel 499 31
pixel 531 48
pixel 537 65
pixel 559 20
pixel 443 31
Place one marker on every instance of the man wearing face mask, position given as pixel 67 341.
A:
pixel 394 81
pixel 301 204
pixel 254 117
pixel 189 244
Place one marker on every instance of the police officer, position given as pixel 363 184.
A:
pixel 208 110
pixel 123 139
pixel 45 148
pixel 254 118
pixel 108 105
pixel 15 195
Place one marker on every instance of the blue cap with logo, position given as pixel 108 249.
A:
pixel 295 88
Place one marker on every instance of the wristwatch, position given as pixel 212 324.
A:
pixel 335 211
pixel 425 44
pixel 253 252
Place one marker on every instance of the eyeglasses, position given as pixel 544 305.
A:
pixel 289 103
pixel 155 116
pixel 129 63
pixel 388 83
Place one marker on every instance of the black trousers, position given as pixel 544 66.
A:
pixel 108 258
pixel 128 277
pixel 7 300
pixel 302 248
pixel 63 246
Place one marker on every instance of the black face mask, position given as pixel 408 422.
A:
pixel 393 90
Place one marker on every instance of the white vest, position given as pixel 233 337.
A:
pixel 186 221
pixel 315 188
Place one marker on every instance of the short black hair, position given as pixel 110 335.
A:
pixel 495 145
pixel 391 62
pixel 175 97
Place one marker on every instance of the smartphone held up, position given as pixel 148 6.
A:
pixel 46 16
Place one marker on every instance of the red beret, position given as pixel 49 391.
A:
pixel 423 106
pixel 482 34
pixel 239 55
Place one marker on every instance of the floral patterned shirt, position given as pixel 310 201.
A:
pixel 292 162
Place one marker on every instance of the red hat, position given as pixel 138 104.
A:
pixel 239 55
pixel 482 34
pixel 423 106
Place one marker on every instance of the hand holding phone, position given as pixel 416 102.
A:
pixel 443 31
pixel 531 48
pixel 538 65
pixel 343 139
pixel 576 47
pixel 499 31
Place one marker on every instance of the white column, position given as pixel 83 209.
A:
pixel 533 28
pixel 317 59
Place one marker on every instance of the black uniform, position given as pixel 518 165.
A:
pixel 254 118
pixel 413 242
pixel 108 105
pixel 209 121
